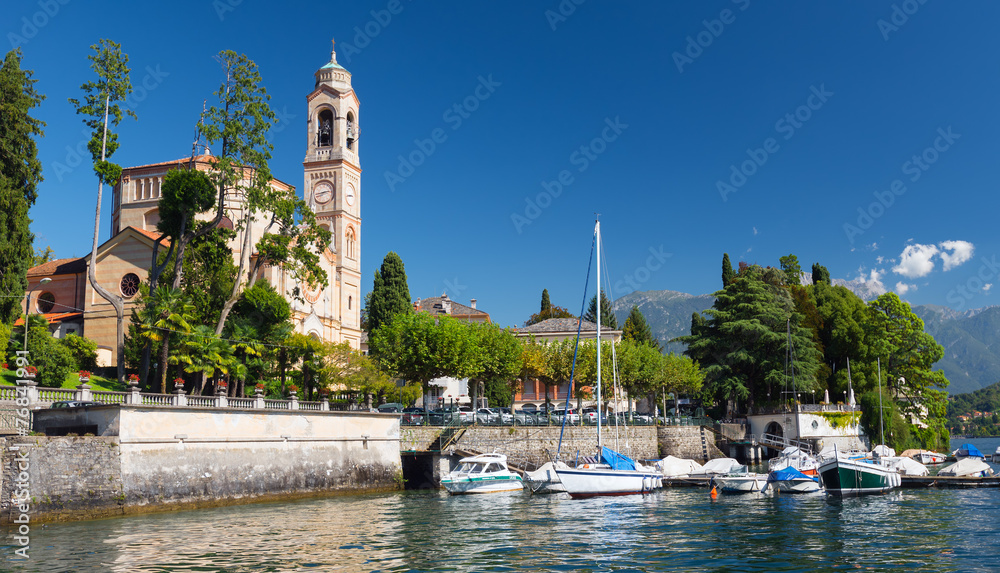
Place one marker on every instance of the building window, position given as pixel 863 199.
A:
pixel 349 243
pixel 349 299
pixel 352 130
pixel 129 285
pixel 324 129
pixel 45 302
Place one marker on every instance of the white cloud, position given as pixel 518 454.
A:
pixel 755 230
pixel 880 259
pixel 987 287
pixel 903 288
pixel 954 253
pixel 916 261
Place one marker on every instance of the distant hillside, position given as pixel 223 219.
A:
pixel 667 312
pixel 971 339
pixel 971 343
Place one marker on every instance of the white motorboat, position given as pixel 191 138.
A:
pixel 926 457
pixel 742 481
pixel 996 456
pixel 485 473
pixel 719 467
pixel 793 457
pixel 677 467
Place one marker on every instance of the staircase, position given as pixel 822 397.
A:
pixel 704 444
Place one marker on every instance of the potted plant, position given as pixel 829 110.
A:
pixel 259 389
pixel 133 380
pixel 30 372
pixel 178 383
pixel 292 390
pixel 84 376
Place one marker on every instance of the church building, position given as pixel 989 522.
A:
pixel 332 186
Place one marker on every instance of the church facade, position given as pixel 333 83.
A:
pixel 332 188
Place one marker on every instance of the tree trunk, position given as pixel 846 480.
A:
pixel 164 354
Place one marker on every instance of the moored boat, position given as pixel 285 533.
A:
pixel 968 451
pixel 967 467
pixel 996 456
pixel 791 480
pixel 845 475
pixel 740 481
pixel 930 458
pixel 485 473
pixel 545 479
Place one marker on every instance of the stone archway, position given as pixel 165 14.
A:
pixel 774 429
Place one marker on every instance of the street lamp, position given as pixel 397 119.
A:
pixel 27 309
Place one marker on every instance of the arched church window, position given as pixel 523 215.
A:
pixel 324 129
pixel 352 131
pixel 349 243
pixel 150 219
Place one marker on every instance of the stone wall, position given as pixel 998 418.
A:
pixel 184 457
pixel 78 476
pixel 686 442
pixel 418 438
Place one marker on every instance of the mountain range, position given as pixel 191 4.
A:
pixel 971 339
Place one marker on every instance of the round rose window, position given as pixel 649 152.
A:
pixel 129 285
pixel 46 301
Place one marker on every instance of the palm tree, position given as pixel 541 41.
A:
pixel 169 310
pixel 206 354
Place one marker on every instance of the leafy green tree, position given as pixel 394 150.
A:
pixel 42 256
pixel 83 350
pixel 101 106
pixel 728 274
pixel 608 319
pixel 546 303
pixel 20 174
pixel 793 271
pixel 419 347
pixel 53 360
pixel 637 329
pixel 286 232
pixel 820 274
pixel 204 354
pixel 842 316
pixel 891 425
pixel 390 294
pixel 499 362
pixel 743 347
pixel 166 314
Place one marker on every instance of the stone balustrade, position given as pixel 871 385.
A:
pixel 44 397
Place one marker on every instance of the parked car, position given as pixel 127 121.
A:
pixel 525 418
pixel 390 408
pixel 442 416
pixel 590 418
pixel 466 414
pixel 73 404
pixel 571 415
pixel 487 417
pixel 506 418
pixel 413 416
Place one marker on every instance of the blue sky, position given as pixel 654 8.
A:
pixel 861 135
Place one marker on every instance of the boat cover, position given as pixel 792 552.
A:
pixel 718 466
pixel 674 467
pixel 908 466
pixel 615 460
pixel 787 474
pixel 969 451
pixel 884 451
pixel 967 467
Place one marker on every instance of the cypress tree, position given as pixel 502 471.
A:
pixel 637 329
pixel 546 304
pixel 20 173
pixel 727 270
pixel 390 294
pixel 608 319
pixel 820 274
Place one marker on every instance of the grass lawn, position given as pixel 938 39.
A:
pixel 9 378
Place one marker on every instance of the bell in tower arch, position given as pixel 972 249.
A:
pixel 324 138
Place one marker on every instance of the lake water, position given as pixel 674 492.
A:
pixel 671 530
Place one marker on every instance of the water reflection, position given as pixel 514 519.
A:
pixel 431 531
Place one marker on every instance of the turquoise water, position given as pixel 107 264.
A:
pixel 671 530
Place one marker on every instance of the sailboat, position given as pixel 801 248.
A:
pixel 847 475
pixel 613 473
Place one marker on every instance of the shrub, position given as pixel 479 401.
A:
pixel 83 350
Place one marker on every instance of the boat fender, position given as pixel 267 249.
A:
pixel 714 493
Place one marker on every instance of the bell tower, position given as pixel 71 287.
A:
pixel 333 188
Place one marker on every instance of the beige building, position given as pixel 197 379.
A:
pixel 332 176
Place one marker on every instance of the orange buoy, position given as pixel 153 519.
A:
pixel 714 493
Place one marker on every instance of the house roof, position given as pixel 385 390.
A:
pixel 559 325
pixel 55 317
pixel 198 159
pixel 59 267
pixel 151 234
pixel 444 305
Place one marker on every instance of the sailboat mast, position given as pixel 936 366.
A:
pixel 597 231
pixel 881 426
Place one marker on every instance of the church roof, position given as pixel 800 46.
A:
pixel 444 305
pixel 59 267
